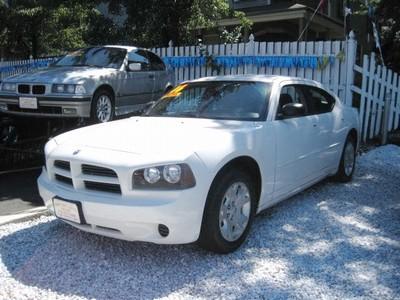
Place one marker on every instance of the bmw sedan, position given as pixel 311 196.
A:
pixel 100 83
pixel 202 162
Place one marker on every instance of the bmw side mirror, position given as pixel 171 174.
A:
pixel 291 110
pixel 134 67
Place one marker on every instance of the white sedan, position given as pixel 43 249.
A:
pixel 202 162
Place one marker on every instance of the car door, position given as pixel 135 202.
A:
pixel 321 104
pixel 160 75
pixel 296 159
pixel 138 85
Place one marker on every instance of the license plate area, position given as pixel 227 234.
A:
pixel 28 102
pixel 68 210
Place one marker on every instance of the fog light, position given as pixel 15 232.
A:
pixel 69 111
pixel 163 230
pixel 3 106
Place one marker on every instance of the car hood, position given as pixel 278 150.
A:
pixel 161 137
pixel 60 75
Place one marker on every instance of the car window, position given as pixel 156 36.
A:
pixel 232 100
pixel 156 64
pixel 291 94
pixel 139 56
pixel 104 57
pixel 319 100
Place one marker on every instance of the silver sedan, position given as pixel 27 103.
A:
pixel 97 82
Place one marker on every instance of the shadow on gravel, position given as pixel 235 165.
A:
pixel 334 240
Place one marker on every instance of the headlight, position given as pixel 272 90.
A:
pixel 68 89
pixel 173 177
pixel 8 87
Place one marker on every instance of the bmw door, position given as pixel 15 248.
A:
pixel 160 75
pixel 138 84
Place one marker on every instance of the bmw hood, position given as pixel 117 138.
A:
pixel 60 75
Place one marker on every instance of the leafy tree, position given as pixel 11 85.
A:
pixel 388 14
pixel 48 27
pixel 155 23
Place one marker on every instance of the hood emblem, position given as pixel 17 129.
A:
pixel 76 152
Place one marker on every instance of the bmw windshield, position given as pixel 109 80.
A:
pixel 103 57
pixel 231 100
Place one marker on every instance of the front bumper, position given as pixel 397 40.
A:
pixel 135 216
pixel 75 106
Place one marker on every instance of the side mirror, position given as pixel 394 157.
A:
pixel 134 67
pixel 292 110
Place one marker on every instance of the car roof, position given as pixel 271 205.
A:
pixel 260 78
pixel 128 48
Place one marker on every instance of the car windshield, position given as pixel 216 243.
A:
pixel 102 57
pixel 232 100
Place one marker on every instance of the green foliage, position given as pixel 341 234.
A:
pixel 44 27
pixel 388 19
pixel 51 27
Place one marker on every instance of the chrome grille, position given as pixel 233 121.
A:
pixel 24 89
pixel 38 89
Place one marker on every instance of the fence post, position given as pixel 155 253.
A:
pixel 250 50
pixel 170 48
pixel 385 122
pixel 351 52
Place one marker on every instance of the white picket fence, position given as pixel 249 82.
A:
pixel 335 77
pixel 10 68
pixel 380 87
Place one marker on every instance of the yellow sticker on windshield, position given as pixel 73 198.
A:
pixel 175 92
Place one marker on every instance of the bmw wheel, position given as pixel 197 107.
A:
pixel 103 106
pixel 229 212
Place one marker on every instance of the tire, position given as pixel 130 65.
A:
pixel 217 231
pixel 347 161
pixel 103 108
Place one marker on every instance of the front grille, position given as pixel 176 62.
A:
pixel 98 171
pixel 38 89
pixel 103 187
pixel 62 164
pixel 63 179
pixel 24 89
pixel 40 110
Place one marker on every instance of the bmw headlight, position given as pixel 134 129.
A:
pixel 68 89
pixel 8 87
pixel 172 176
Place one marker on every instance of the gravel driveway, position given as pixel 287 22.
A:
pixel 332 241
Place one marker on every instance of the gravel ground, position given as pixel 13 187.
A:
pixel 333 241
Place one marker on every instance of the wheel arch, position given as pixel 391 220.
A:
pixel 354 134
pixel 247 164
pixel 106 87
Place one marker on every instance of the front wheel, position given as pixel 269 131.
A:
pixel 102 107
pixel 347 161
pixel 229 212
